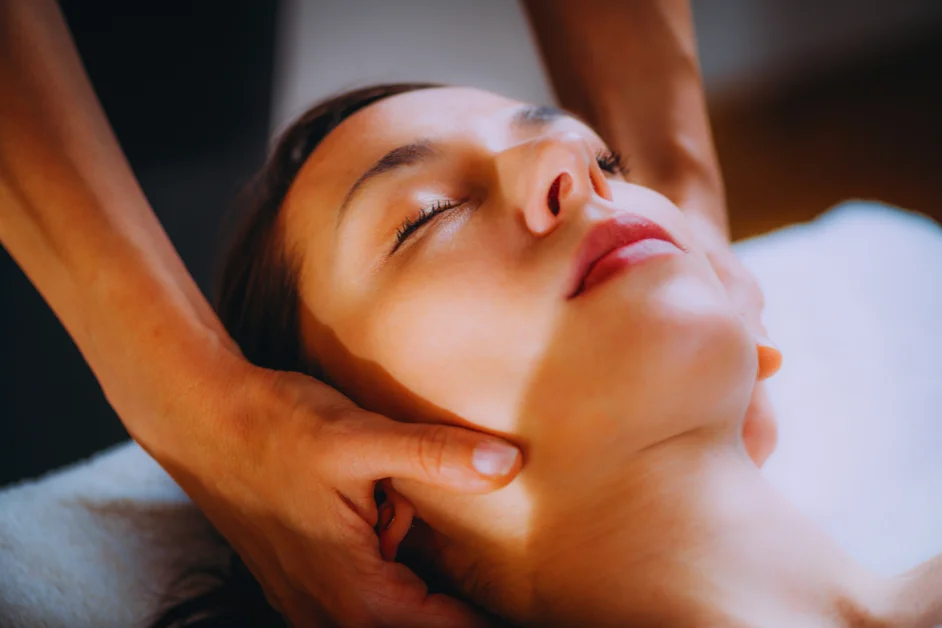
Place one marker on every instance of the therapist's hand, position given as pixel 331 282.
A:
pixel 288 477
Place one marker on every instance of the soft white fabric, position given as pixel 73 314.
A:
pixel 854 300
pixel 96 544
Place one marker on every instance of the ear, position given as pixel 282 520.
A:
pixel 770 358
pixel 395 521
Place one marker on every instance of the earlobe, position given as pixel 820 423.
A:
pixel 395 521
pixel 770 358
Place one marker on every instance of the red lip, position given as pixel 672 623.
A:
pixel 618 243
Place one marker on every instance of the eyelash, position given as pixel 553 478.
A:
pixel 611 162
pixel 412 224
pixel 608 160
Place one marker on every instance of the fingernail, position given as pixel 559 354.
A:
pixel 770 358
pixel 494 459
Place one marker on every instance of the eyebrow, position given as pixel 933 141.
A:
pixel 529 117
pixel 536 116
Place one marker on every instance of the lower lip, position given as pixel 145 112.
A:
pixel 625 257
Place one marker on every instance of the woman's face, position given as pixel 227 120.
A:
pixel 490 313
pixel 469 317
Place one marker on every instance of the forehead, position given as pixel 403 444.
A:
pixel 371 132
pixel 435 111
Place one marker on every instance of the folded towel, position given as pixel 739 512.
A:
pixel 854 299
pixel 96 544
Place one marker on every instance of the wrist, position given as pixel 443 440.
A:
pixel 154 344
pixel 188 401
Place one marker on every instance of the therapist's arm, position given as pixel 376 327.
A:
pixel 276 460
pixel 630 68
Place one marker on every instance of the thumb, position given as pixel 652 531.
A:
pixel 449 457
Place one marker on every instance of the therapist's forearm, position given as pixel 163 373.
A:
pixel 631 69
pixel 74 218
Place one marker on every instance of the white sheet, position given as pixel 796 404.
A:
pixel 854 300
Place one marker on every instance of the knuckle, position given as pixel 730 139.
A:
pixel 343 448
pixel 431 448
pixel 331 450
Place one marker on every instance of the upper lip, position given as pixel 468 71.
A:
pixel 611 234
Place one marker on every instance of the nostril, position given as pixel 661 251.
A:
pixel 552 199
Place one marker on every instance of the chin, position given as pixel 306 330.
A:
pixel 684 353
pixel 714 366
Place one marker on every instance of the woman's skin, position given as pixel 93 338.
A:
pixel 630 70
pixel 76 221
pixel 639 503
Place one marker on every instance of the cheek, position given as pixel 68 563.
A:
pixel 459 343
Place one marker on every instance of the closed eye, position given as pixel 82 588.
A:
pixel 411 224
pixel 608 160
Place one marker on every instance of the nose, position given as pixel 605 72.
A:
pixel 550 178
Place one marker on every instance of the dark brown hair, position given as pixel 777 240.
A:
pixel 258 304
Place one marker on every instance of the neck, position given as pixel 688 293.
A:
pixel 692 534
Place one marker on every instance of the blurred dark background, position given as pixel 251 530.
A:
pixel 187 88
pixel 812 102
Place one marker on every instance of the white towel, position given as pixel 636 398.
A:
pixel 855 301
